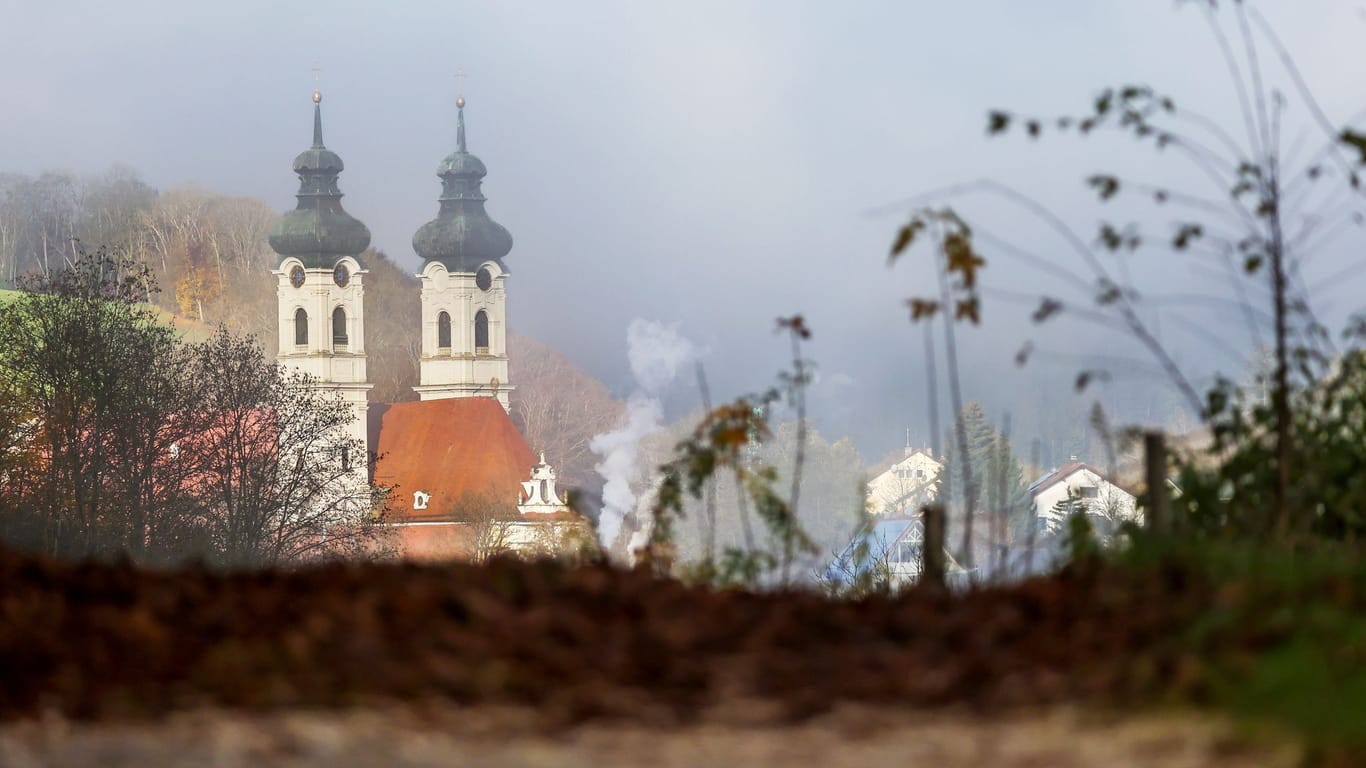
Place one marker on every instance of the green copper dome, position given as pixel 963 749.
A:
pixel 462 236
pixel 318 231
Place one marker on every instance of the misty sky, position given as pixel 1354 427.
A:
pixel 707 163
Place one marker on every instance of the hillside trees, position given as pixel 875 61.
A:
pixel 112 204
pixel 210 250
pixel 45 219
pixel 38 223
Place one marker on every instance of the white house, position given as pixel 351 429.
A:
pixel 906 486
pixel 1077 487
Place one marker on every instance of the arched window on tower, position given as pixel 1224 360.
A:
pixel 443 331
pixel 481 333
pixel 300 327
pixel 338 329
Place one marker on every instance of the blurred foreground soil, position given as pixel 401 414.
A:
pixel 520 663
pixel 95 641
pixel 846 737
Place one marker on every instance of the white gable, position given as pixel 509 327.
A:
pixel 904 486
pixel 1093 493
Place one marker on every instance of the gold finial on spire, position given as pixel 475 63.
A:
pixel 460 89
pixel 459 113
pixel 317 94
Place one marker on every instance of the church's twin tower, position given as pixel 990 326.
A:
pixel 321 282
pixel 464 298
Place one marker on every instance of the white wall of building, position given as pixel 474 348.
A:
pixel 338 367
pixel 462 369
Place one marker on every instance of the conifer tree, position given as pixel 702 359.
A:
pixel 996 472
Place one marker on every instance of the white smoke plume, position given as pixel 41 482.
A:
pixel 657 353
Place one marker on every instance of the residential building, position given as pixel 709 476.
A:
pixel 1079 487
pixel 905 486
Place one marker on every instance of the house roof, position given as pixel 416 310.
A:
pixel 448 448
pixel 877 540
pixel 881 537
pixel 1065 471
pixel 901 457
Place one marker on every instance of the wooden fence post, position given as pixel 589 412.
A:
pixel 932 552
pixel 1157 516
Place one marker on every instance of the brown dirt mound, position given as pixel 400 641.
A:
pixel 93 640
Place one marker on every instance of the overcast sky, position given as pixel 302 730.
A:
pixel 706 163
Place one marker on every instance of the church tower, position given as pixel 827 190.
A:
pixel 321 283
pixel 464 298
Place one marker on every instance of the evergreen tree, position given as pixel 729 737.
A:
pixel 1065 508
pixel 1002 493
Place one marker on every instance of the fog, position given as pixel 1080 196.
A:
pixel 713 165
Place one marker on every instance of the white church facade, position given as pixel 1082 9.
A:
pixel 456 463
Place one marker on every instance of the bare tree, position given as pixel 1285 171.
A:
pixel 559 407
pixel 175 226
pixel 488 525
pixel 279 480
pixel 243 258
pixel 111 212
pixel 13 219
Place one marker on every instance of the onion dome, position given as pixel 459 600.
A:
pixel 462 236
pixel 318 231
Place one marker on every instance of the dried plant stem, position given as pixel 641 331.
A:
pixel 956 393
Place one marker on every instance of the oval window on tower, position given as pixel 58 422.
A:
pixel 484 279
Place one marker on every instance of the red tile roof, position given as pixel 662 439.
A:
pixel 449 448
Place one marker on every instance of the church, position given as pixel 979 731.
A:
pixel 465 483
